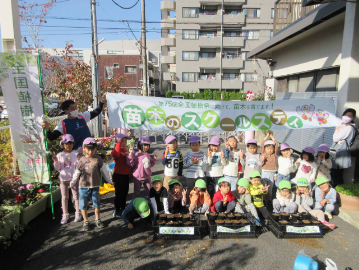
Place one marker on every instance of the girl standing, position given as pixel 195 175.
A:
pixel 285 164
pixel 65 162
pixel 323 162
pixel 306 165
pixel 142 164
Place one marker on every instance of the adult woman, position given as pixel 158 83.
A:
pixel 343 137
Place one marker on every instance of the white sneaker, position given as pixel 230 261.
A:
pixel 329 215
pixel 64 219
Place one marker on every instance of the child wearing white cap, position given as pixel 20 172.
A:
pixel 172 159
pixel 231 160
pixel 215 164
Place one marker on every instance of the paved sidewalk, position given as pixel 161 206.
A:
pixel 48 245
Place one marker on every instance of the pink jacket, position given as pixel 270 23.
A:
pixel 142 164
pixel 66 165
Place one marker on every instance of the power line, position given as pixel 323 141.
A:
pixel 125 7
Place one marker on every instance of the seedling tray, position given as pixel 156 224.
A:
pixel 247 230
pixel 181 232
pixel 291 230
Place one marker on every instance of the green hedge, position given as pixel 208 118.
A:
pixel 209 95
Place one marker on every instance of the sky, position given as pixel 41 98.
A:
pixel 70 20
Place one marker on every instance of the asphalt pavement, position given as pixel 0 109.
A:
pixel 46 244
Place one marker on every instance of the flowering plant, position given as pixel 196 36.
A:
pixel 250 96
pixel 29 186
pixel 40 190
pixel 106 143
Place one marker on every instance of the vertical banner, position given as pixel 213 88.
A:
pixel 19 80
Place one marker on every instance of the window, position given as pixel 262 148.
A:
pixel 232 34
pixel 190 76
pixel 108 73
pixel 131 69
pixel 252 12
pixel 116 65
pixel 272 13
pixel 208 34
pixel 190 56
pixel 249 77
pixel 208 55
pixel 250 34
pixel 244 55
pixel 230 76
pixel 190 34
pixel 230 54
pixel 326 80
pixel 190 12
pixel 271 34
pixel 282 13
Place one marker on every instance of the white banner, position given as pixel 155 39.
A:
pixel 188 115
pixel 221 229
pixel 304 229
pixel 177 230
pixel 19 79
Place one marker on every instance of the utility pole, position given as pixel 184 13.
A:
pixel 144 55
pixel 220 69
pixel 96 91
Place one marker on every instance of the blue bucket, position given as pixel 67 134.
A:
pixel 303 262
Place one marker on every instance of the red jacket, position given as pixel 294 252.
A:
pixel 120 161
pixel 219 197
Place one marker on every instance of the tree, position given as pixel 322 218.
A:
pixel 33 15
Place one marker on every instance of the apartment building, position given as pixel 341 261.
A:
pixel 204 46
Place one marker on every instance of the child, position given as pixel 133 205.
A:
pixel 232 158
pixel 138 207
pixel 257 190
pixel 285 164
pixel 251 161
pixel 323 162
pixel 121 175
pixel 65 162
pixel 200 201
pixel 325 196
pixel 244 202
pixel 158 196
pixel 142 164
pixel 215 164
pixel 306 165
pixel 305 202
pixel 89 170
pixel 269 150
pixel 176 199
pixel 194 161
pixel 172 159
pixel 223 199
pixel 284 201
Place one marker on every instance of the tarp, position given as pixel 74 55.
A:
pixel 186 115
pixel 19 80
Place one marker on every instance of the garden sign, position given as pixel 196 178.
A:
pixel 19 79
pixel 186 115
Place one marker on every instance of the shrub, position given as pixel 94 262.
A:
pixel 350 189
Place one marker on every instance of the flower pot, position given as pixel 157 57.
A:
pixel 12 219
pixel 32 211
pixel 5 231
pixel 56 196
pixel 213 216
pixel 349 202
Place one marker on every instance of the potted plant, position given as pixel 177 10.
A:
pixel 105 145
pixel 349 196
pixel 56 192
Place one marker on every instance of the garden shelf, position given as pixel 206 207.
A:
pixel 56 196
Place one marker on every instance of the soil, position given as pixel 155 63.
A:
pixel 163 215
pixel 283 222
pixel 243 221
pixel 175 223
pixel 178 215
pixel 316 222
pixel 169 223
pixel 295 215
pixel 161 222
pixel 213 214
pixel 284 214
pixel 219 221
pixel 188 223
pixel 275 214
pixel 170 216
pixel 230 216
pixel 236 221
pixel 307 242
pixel 306 222
pixel 222 214
pixel 185 216
pixel 227 221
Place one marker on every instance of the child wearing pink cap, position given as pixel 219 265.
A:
pixel 65 162
pixel 286 164
pixel 306 165
pixel 172 159
pixel 323 162
pixel 215 164
pixel 195 161
pixel 121 174
pixel 142 164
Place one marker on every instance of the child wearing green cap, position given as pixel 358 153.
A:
pixel 257 190
pixel 176 197
pixel 137 208
pixel 325 196
pixel 158 196
pixel 223 199
pixel 200 200
pixel 305 202
pixel 244 201
pixel 284 201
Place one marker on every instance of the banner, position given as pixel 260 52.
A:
pixel 221 229
pixel 19 80
pixel 177 230
pixel 304 229
pixel 188 115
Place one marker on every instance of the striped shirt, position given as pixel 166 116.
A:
pixel 195 170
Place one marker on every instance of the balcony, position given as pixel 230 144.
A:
pixel 210 18
pixel 205 84
pixel 209 62
pixel 168 5
pixel 232 63
pixel 171 59
pixel 233 42
pixel 167 76
pixel 233 19
pixel 209 41
pixel 170 42
pixel 232 84
pixel 226 2
pixel 169 23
